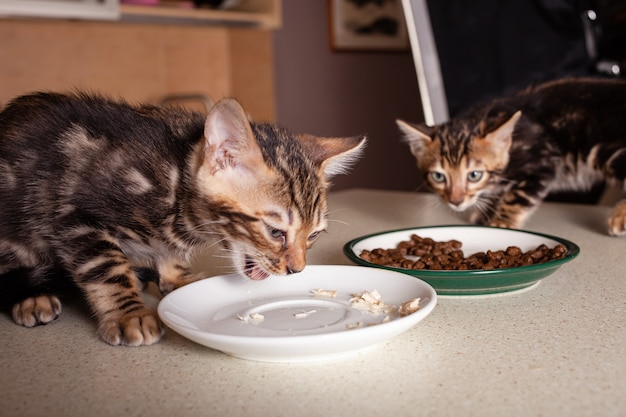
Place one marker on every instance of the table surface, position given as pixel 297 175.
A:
pixel 557 349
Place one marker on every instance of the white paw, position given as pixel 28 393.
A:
pixel 135 329
pixel 501 224
pixel 38 310
pixel 617 220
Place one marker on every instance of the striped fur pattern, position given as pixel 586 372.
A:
pixel 501 159
pixel 108 196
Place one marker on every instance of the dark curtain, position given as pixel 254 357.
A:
pixel 490 47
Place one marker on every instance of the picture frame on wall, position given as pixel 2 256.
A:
pixel 367 25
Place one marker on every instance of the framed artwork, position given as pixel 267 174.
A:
pixel 362 25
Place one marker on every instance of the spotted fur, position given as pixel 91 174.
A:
pixel 502 159
pixel 108 196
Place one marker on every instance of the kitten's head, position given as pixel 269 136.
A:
pixel 461 160
pixel 264 188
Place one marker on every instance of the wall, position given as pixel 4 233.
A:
pixel 140 62
pixel 290 75
pixel 346 93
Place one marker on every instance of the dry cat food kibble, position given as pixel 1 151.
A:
pixel 447 255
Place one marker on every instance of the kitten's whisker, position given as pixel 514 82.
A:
pixel 250 253
pixel 217 242
pixel 420 187
pixel 331 212
pixel 204 224
pixel 484 206
pixel 435 202
pixel 227 269
pixel 338 221
pixel 222 256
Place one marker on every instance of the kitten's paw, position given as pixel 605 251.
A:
pixel 617 220
pixel 476 218
pixel 166 285
pixel 501 224
pixel 492 222
pixel 481 220
pixel 38 310
pixel 134 329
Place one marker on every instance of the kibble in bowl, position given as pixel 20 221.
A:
pixel 465 260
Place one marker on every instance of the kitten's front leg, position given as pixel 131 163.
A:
pixel 617 219
pixel 174 273
pixel 511 211
pixel 122 316
pixel 112 288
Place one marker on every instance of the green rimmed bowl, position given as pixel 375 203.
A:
pixel 474 239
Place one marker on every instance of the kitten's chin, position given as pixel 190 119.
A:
pixel 465 205
pixel 459 208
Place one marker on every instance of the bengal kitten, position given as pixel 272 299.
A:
pixel 502 158
pixel 109 194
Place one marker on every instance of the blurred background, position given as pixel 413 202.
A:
pixel 331 68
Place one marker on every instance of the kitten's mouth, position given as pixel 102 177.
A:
pixel 459 208
pixel 254 271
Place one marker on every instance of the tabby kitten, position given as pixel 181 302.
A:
pixel 501 159
pixel 108 194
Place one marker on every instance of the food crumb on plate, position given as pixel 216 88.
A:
pixel 321 293
pixel 409 307
pixel 370 301
pixel 255 318
pixel 304 314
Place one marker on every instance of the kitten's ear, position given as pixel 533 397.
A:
pixel 333 155
pixel 502 137
pixel 417 136
pixel 229 140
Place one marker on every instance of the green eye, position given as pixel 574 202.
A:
pixel 475 176
pixel 314 235
pixel 437 177
pixel 276 233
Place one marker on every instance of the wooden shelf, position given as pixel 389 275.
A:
pixel 257 13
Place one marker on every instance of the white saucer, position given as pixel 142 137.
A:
pixel 280 319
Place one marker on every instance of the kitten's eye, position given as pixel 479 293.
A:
pixel 475 176
pixel 276 233
pixel 437 177
pixel 314 235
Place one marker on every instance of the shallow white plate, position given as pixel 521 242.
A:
pixel 297 326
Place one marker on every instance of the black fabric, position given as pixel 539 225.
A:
pixel 491 47
pixel 610 29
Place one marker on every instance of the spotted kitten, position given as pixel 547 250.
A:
pixel 501 160
pixel 110 195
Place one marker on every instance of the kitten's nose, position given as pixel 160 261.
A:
pixel 295 264
pixel 295 260
pixel 456 195
pixel 456 200
pixel 292 270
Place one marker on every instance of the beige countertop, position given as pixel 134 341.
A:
pixel 557 349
